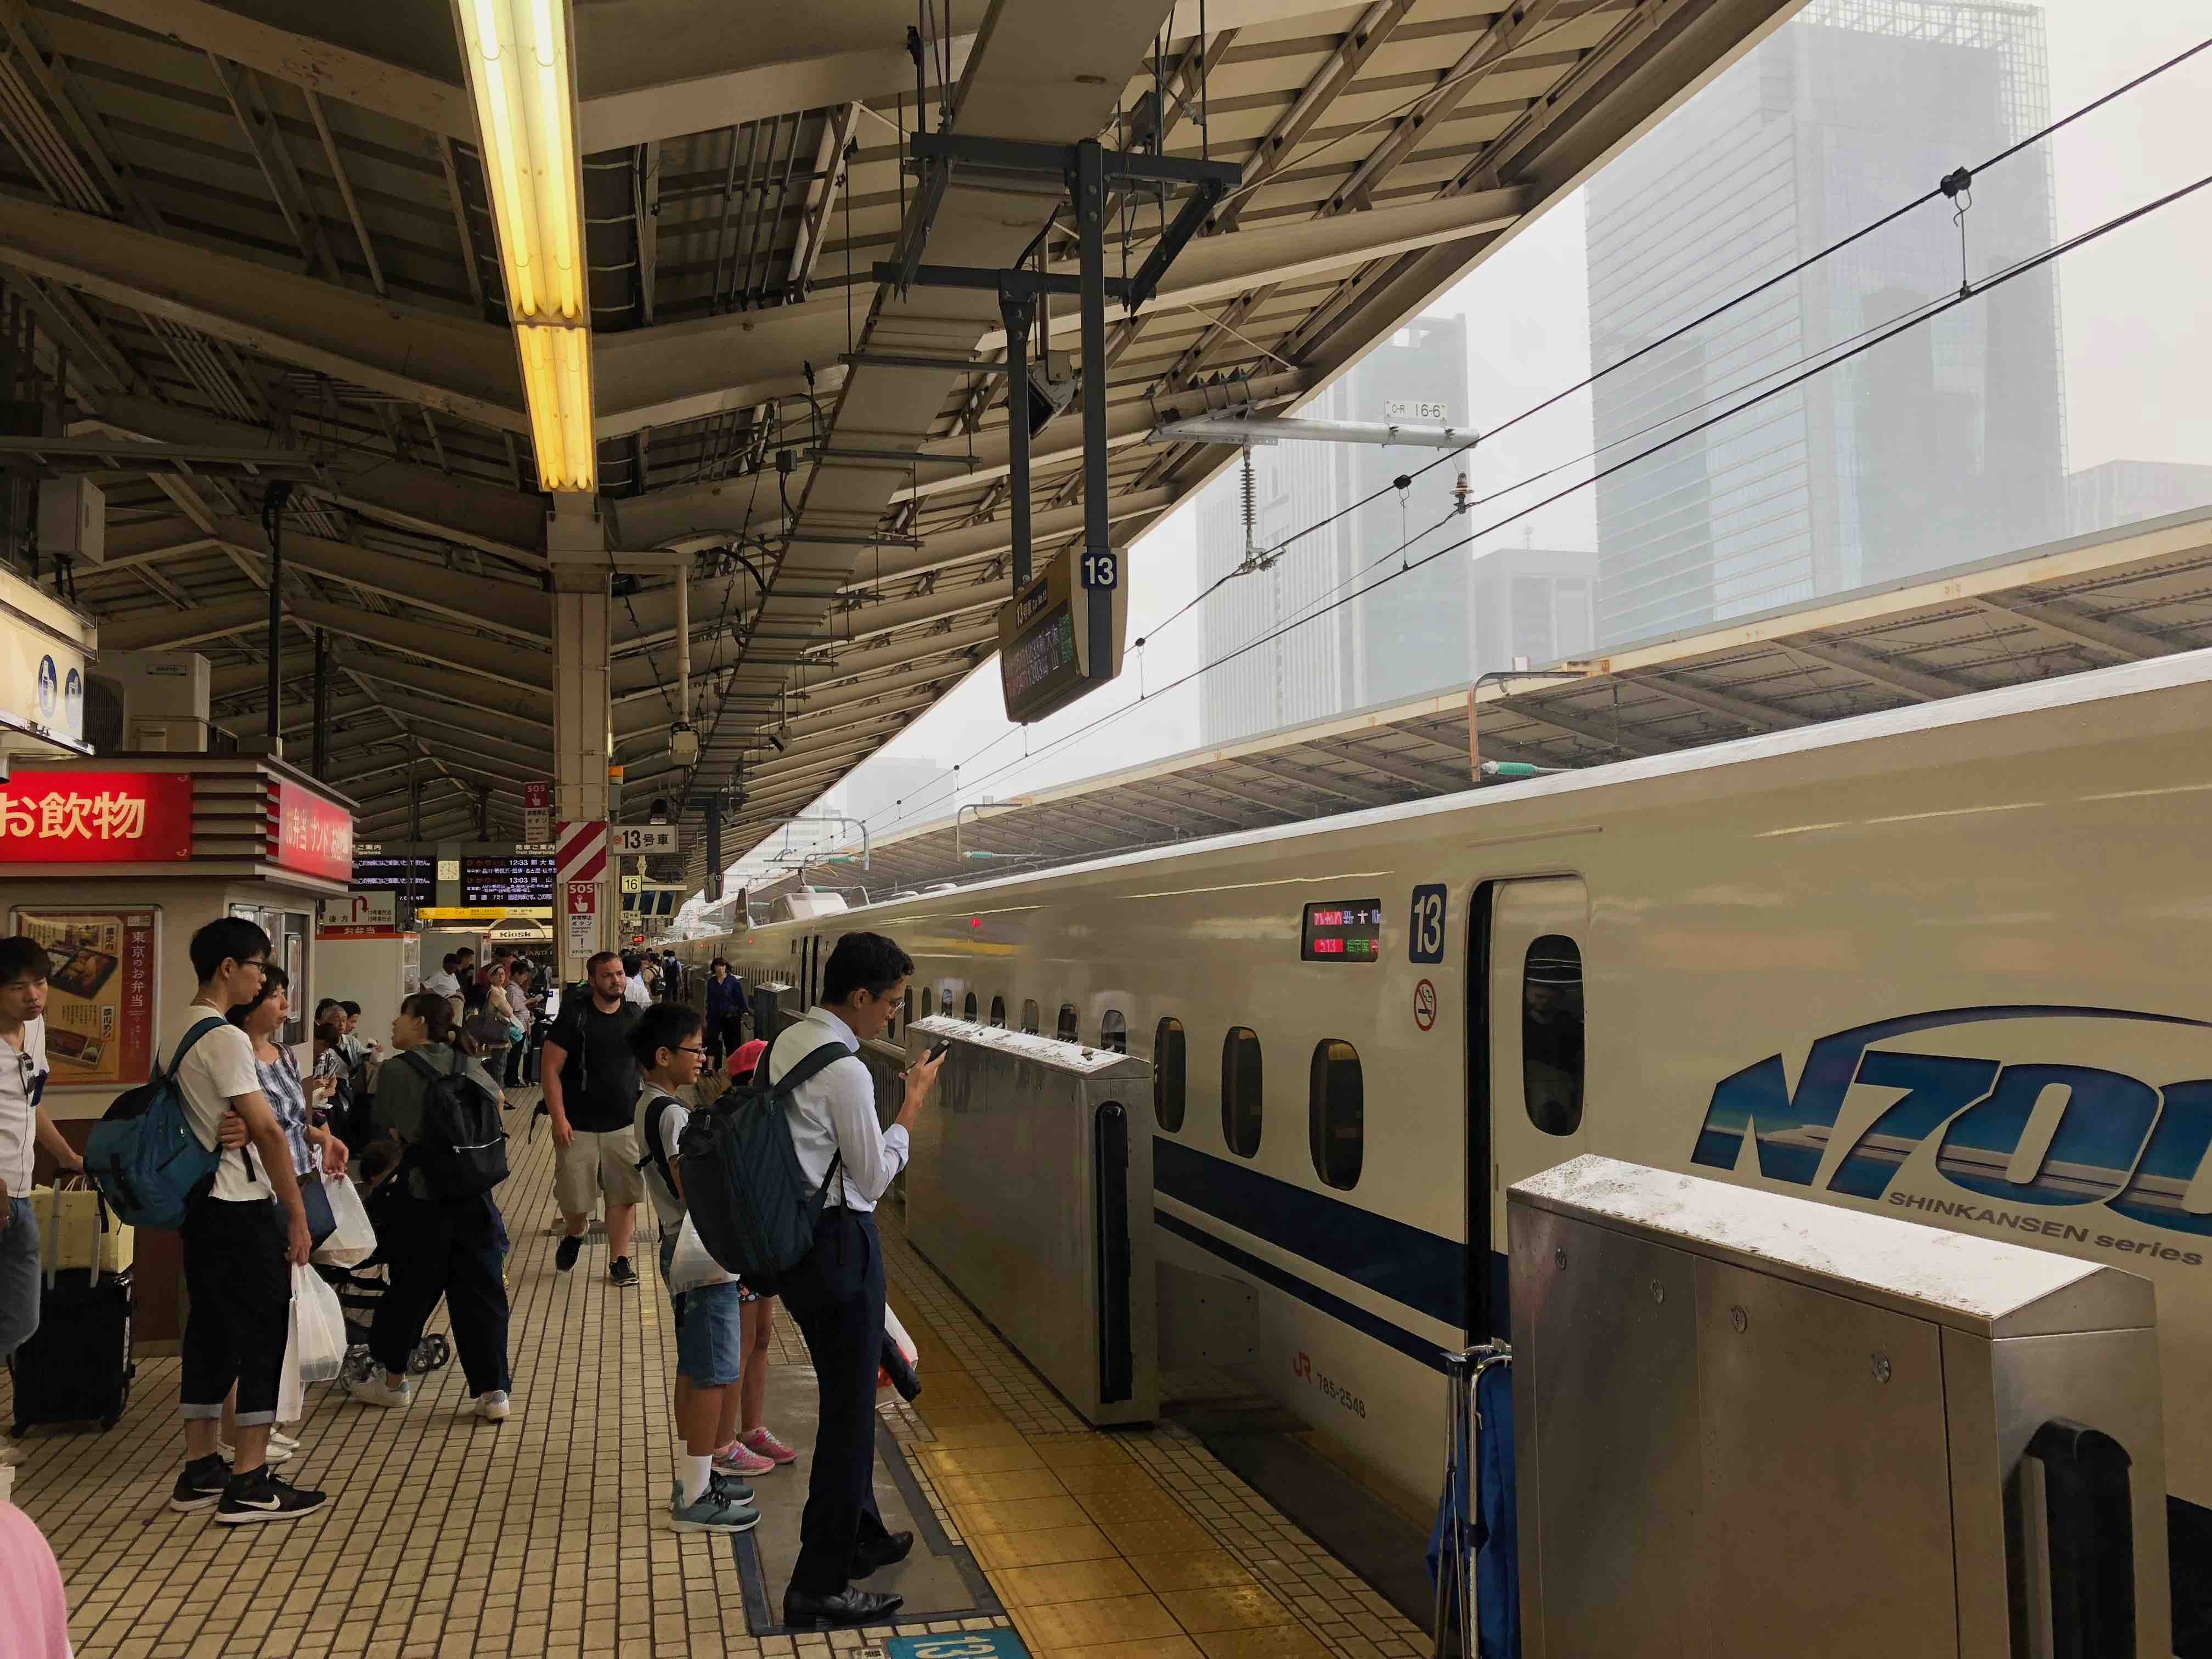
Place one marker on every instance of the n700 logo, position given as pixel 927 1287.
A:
pixel 2118 1142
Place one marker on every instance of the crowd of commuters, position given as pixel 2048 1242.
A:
pixel 622 1061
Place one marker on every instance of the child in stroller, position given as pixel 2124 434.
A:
pixel 361 1288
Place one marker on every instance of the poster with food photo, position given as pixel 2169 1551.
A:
pixel 101 1002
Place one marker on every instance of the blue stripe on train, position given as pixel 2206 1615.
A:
pixel 1405 1263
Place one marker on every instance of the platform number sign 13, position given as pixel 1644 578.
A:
pixel 1102 570
pixel 1425 936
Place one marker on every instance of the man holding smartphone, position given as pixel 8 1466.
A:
pixel 835 1293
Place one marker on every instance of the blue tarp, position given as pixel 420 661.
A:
pixel 1497 1550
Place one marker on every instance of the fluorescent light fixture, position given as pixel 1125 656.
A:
pixel 518 61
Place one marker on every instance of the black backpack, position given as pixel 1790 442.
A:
pixel 462 1150
pixel 747 1196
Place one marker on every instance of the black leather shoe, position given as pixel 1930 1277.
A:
pixel 885 1552
pixel 848 1606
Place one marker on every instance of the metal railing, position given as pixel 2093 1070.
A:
pixel 1456 1611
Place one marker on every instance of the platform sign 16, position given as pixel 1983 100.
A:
pixel 1425 938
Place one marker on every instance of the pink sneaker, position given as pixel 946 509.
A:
pixel 735 1459
pixel 767 1445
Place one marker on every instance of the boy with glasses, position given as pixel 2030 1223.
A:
pixel 24 1126
pixel 238 1249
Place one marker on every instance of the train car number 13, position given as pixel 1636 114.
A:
pixel 1425 938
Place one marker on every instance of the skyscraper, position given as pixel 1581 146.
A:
pixel 1407 635
pixel 1943 445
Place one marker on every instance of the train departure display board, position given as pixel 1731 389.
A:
pixel 524 878
pixel 1342 930
pixel 1060 636
pixel 413 879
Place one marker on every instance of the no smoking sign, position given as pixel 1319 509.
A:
pixel 1425 1005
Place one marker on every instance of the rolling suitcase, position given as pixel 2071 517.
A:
pixel 77 1367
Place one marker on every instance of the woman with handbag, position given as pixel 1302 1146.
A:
pixel 494 1029
pixel 436 1246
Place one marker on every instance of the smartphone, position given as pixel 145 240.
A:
pixel 941 1050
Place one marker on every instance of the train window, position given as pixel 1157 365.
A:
pixel 1336 1113
pixel 998 1012
pixel 945 1000
pixel 1240 1090
pixel 968 1012
pixel 906 1008
pixel 1066 1029
pixel 1552 1034
pixel 1167 1075
pixel 1114 1031
pixel 1032 1016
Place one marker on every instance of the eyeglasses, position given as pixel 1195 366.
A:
pixel 259 964
pixel 688 1049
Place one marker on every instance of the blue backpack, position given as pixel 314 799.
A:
pixel 143 1155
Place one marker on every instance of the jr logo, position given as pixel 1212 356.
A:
pixel 1302 1367
pixel 2118 1141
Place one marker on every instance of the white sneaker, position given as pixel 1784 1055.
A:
pixel 371 1391
pixel 278 1452
pixel 490 1405
pixel 289 1443
pixel 11 1456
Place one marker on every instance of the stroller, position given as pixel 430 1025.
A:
pixel 361 1287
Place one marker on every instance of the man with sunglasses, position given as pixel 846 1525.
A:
pixel 239 1247
pixel 24 1126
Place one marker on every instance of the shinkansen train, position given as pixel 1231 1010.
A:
pixel 1944 963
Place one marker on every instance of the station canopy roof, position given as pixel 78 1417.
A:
pixel 2093 602
pixel 262 224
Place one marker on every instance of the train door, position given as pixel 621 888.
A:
pixel 1532 1031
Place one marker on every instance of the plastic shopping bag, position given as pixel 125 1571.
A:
pixel 319 1332
pixel 690 1268
pixel 355 1240
pixel 900 1366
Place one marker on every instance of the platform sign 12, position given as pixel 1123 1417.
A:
pixel 1425 938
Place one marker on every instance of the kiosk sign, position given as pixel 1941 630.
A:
pixel 95 817
pixel 312 835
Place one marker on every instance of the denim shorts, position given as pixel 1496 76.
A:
pixel 709 1329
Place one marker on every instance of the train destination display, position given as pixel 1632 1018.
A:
pixel 1058 639
pixel 1342 930
pixel 522 878
pixel 414 879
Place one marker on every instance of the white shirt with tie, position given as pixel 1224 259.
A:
pixel 833 1111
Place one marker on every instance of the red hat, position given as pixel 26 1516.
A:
pixel 747 1057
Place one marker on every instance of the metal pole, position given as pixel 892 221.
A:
pixel 713 814
pixel 1017 310
pixel 1091 227
pixel 322 750
pixel 275 517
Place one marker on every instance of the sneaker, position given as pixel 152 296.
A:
pixel 201 1485
pixel 565 1255
pixel 718 1509
pixel 490 1405
pixel 619 1272
pixel 737 1458
pixel 370 1390
pixel 277 1452
pixel 260 1495
pixel 278 1437
pixel 11 1457
pixel 761 1441
pixel 740 1490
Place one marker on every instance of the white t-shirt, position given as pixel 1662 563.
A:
pixel 673 1116
pixel 442 982
pixel 19 1106
pixel 634 991
pixel 219 1069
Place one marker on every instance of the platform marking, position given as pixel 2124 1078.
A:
pixel 963 1644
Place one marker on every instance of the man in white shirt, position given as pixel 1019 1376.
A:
pixel 446 983
pixel 835 1293
pixel 239 1247
pixel 24 1126
pixel 634 989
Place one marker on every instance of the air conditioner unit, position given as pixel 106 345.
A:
pixel 148 702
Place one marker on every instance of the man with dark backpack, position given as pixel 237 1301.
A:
pixel 442 1231
pixel 835 1290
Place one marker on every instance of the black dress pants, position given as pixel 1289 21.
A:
pixel 456 1251
pixel 835 1295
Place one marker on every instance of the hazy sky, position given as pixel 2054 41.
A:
pixel 2137 340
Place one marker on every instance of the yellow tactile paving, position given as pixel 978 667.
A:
pixel 548 1536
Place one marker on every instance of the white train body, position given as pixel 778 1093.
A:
pixel 1941 962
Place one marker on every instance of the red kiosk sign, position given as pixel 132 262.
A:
pixel 96 817
pixel 311 834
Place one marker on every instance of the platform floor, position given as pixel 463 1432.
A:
pixel 548 1534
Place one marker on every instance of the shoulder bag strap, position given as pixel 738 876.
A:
pixel 191 1037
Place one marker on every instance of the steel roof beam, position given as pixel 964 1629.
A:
pixel 172 632
pixel 993 537
pixel 305 60
pixel 1615 736
pixel 297 320
pixel 491 660
pixel 2129 644
pixel 1759 716
pixel 1868 666
pixel 519 613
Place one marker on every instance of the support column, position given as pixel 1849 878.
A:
pixel 583 734
pixel 711 809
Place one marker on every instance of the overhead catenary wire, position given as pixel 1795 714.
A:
pixel 1921 315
